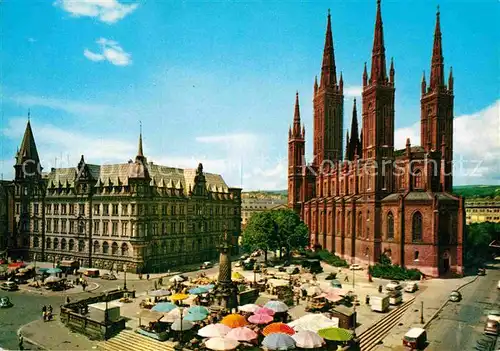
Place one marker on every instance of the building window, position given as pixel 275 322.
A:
pixel 81 209
pixel 348 220
pixel 416 227
pixel 154 209
pixel 105 229
pixel 71 209
pixel 56 209
pixel 417 179
pixel 48 243
pixel 56 226
pixel 114 228
pixel 367 230
pixel 124 210
pixel 56 244
pixel 359 229
pixel 181 227
pixel 63 209
pixel 81 227
pixel 415 258
pixel 124 249
pixel 35 225
pixel 36 241
pixel 124 228
pixel 35 209
pixel 115 209
pixel 105 247
pixel 81 245
pixel 172 210
pixel 64 228
pixel 71 245
pixel 132 209
pixel 390 226
pixel 114 248
pixel 17 208
pixel 63 244
pixel 48 208
pixel 105 209
pixel 71 227
pixel 97 209
pixel 164 210
pixel 48 225
pixel 96 227
pixel 97 247
pixel 155 228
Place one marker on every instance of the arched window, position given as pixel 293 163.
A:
pixel 114 248
pixel 415 257
pixel 36 241
pixel 390 226
pixel 81 245
pixel 417 179
pixel 172 246
pixel 368 224
pixel 359 229
pixel 63 244
pixel 97 247
pixel 56 244
pixel 416 227
pixel 71 244
pixel 348 219
pixel 105 247
pixel 124 249
pixel 48 243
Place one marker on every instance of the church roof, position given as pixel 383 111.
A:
pixel 413 149
pixel 420 196
pixel 28 149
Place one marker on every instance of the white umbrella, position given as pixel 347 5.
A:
pixel 176 278
pixel 186 325
pixel 249 307
pixel 221 344
pixel 314 290
pixel 175 314
pixel 312 322
pixel 308 339
pixel 52 279
pixel 214 330
pixel 276 306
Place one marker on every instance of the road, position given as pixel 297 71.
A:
pixel 459 326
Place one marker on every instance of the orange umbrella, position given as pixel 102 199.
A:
pixel 278 328
pixel 234 320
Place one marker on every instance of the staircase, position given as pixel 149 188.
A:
pixel 127 340
pixel 377 332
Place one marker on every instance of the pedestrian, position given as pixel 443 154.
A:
pixel 380 289
pixel 44 309
pixel 160 281
pixel 156 285
pixel 147 276
pixel 49 309
pixel 346 279
pixel 21 342
pixel 67 299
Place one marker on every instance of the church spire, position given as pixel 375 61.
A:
pixel 378 74
pixel 437 62
pixel 140 152
pixel 328 71
pixel 354 141
pixel 28 150
pixel 296 132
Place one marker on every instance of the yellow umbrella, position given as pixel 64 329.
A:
pixel 238 275
pixel 178 297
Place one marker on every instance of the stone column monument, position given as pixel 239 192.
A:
pixel 225 290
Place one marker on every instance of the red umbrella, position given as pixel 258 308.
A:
pixel 278 328
pixel 260 319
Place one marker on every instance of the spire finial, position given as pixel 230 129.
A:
pixel 140 151
pixel 328 70
pixel 437 13
pixel 378 69
pixel 29 114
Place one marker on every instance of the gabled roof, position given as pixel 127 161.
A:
pixel 28 149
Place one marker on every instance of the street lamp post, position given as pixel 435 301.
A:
pixel 422 312
pixel 369 265
pixel 124 276
pixel 106 316
pixel 255 273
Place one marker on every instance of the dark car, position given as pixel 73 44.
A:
pixel 9 286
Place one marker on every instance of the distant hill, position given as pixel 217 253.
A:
pixel 473 191
pixel 468 191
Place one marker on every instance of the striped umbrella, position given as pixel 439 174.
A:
pixel 278 328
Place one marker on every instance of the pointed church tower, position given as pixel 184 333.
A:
pixel 436 110
pixel 354 142
pixel 27 160
pixel 139 168
pixel 296 154
pixel 328 105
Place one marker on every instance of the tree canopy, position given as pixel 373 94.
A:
pixel 272 230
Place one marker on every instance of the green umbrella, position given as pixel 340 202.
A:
pixel 335 334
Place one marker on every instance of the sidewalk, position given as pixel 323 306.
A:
pixel 75 290
pixel 434 297
pixel 54 335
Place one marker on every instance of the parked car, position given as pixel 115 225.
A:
pixel 492 326
pixel 395 297
pixel 355 267
pixel 393 285
pixel 415 338
pixel 481 271
pixel 92 273
pixel 455 296
pixel 108 276
pixel 9 286
pixel 206 265
pixel 335 283
pixel 5 302
pixel 293 270
pixel 411 287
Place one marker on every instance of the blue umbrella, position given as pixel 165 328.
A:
pixel 164 307
pixel 194 317
pixel 208 286
pixel 198 309
pixel 279 341
pixel 198 291
pixel 43 269
pixel 53 270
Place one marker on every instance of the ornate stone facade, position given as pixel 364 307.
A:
pixel 147 216
pixel 377 199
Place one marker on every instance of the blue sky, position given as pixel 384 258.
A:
pixel 216 82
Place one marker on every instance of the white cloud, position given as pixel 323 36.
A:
pixel 110 51
pixel 353 91
pixel 107 11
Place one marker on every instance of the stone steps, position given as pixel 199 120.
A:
pixel 128 340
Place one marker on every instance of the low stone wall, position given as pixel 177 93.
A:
pixel 248 296
pixel 73 316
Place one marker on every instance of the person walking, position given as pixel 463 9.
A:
pixel 21 342
pixel 147 276
pixel 44 310
pixel 67 299
pixel 346 279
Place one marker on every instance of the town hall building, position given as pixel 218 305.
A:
pixel 373 199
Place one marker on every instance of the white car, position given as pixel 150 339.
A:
pixel 393 285
pixel 355 267
pixel 411 287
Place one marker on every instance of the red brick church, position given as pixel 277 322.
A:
pixel 374 199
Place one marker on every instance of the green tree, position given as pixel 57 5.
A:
pixel 292 233
pixel 260 233
pixel 478 238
